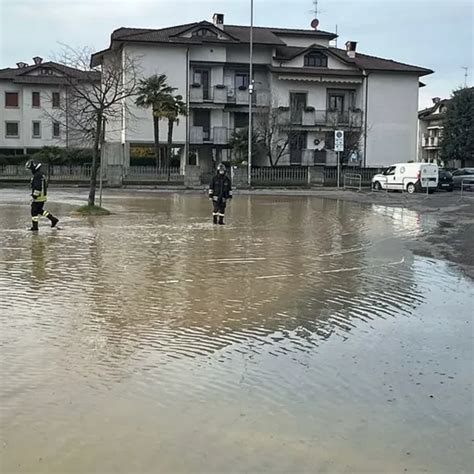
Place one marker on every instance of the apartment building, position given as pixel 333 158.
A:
pixel 33 101
pixel 313 86
pixel 430 127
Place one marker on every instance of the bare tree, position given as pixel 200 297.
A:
pixel 274 131
pixel 95 96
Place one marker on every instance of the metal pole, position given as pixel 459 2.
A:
pixel 186 140
pixel 101 162
pixel 338 169
pixel 249 178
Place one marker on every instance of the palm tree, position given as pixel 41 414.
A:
pixel 173 107
pixel 154 92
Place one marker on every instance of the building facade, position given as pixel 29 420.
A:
pixel 312 86
pixel 430 130
pixel 34 101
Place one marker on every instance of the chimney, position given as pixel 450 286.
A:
pixel 218 20
pixel 37 60
pixel 21 65
pixel 436 100
pixel 351 47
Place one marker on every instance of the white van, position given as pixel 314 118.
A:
pixel 410 177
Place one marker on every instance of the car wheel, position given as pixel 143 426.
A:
pixel 377 186
pixel 411 188
pixel 431 191
pixel 450 190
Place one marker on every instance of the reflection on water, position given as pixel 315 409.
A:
pixel 288 339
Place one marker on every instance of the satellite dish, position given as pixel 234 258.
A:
pixel 315 24
pixel 320 145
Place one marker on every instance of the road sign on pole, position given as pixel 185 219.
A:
pixel 339 140
pixel 338 147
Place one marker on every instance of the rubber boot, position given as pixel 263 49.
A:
pixel 54 220
pixel 214 219
pixel 34 226
pixel 221 220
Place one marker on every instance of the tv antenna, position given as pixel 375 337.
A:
pixel 316 11
pixel 315 21
pixel 466 73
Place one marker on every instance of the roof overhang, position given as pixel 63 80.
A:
pixel 322 78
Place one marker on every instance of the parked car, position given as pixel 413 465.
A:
pixel 410 177
pixel 445 180
pixel 463 174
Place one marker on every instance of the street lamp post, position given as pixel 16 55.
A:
pixel 251 86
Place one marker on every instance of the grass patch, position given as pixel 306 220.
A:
pixel 91 211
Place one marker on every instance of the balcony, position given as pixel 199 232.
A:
pixel 261 98
pixel 320 118
pixel 221 94
pixel 216 135
pixel 216 94
pixel 430 141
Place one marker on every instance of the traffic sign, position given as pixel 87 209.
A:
pixel 339 140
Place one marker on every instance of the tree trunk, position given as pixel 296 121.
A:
pixel 95 160
pixel 169 146
pixel 156 130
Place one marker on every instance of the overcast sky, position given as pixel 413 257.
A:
pixel 437 34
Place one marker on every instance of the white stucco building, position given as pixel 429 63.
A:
pixel 33 98
pixel 315 86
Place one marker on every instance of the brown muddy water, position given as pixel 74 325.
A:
pixel 303 336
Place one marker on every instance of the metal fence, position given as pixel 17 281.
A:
pixel 280 176
pixel 153 174
pixel 54 173
pixel 352 181
pixel 467 184
pixel 366 175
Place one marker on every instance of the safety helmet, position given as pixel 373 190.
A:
pixel 221 168
pixel 32 165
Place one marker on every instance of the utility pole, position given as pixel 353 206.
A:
pixel 251 85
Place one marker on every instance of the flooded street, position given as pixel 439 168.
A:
pixel 303 336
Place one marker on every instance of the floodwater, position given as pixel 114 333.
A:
pixel 303 336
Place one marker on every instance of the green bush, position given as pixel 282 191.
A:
pixel 53 155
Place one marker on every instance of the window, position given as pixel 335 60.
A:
pixel 35 99
pixel 204 33
pixel 336 102
pixel 46 71
pixel 56 99
pixel 316 60
pixel 11 99
pixel 36 129
pixel 241 80
pixel 55 129
pixel 241 120
pixel 12 129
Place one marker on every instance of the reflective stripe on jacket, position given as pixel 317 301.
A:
pixel 39 187
pixel 220 187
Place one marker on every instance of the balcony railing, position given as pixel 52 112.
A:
pixel 430 141
pixel 313 118
pixel 221 94
pixel 215 135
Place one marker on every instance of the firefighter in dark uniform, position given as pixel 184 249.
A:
pixel 39 191
pixel 220 191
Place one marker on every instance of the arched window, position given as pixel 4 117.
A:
pixel 204 33
pixel 316 59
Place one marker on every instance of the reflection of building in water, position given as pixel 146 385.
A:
pixel 303 268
